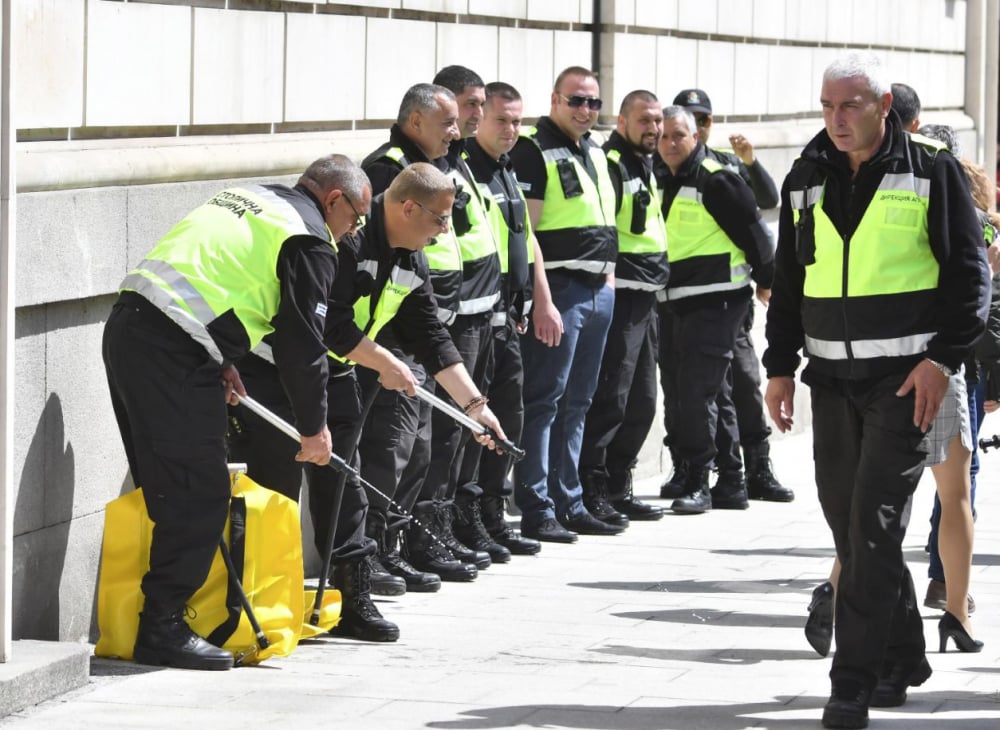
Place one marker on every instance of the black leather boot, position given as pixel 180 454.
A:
pixel 359 618
pixel 446 533
pixel 674 487
pixel 384 583
pixel 730 491
pixel 165 640
pixel 595 498
pixel 425 551
pixel 470 530
pixel 761 482
pixel 417 581
pixel 696 499
pixel 501 532
pixel 624 500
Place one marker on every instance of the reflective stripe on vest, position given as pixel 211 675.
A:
pixel 222 256
pixel 642 233
pixel 693 233
pixel 866 349
pixel 400 284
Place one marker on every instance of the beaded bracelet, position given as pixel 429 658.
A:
pixel 479 400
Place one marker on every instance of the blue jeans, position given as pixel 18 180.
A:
pixel 559 384
pixel 977 396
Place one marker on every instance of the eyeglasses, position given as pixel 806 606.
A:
pixel 442 220
pixel 359 220
pixel 576 101
pixel 701 120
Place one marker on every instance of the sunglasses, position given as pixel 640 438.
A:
pixel 701 120
pixel 576 101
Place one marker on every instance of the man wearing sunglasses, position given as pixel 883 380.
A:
pixel 746 391
pixel 571 204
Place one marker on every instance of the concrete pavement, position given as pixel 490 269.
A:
pixel 687 623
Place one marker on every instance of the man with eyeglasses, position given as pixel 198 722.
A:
pixel 252 260
pixel 624 405
pixel 571 204
pixel 746 390
pixel 382 282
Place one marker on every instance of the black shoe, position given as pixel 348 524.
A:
pixel 502 533
pixel 624 500
pixel 359 618
pixel 586 524
pixel 847 707
pixel 673 488
pixel 696 499
pixel 384 583
pixel 426 552
pixel 165 640
pixel 416 581
pixel 445 533
pixel 950 627
pixel 761 482
pixel 891 688
pixel 517 544
pixel 819 625
pixel 730 491
pixel 548 530
pixel 595 499
pixel 470 530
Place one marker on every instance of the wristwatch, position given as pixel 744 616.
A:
pixel 947 371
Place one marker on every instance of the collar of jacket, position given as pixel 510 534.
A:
pixel 398 138
pixel 822 151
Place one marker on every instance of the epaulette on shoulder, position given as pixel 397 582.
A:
pixel 712 165
pixel 933 145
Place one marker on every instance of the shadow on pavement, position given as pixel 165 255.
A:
pixel 711 655
pixel 804 712
pixel 775 585
pixel 101 667
pixel 715 617
pixel 793 552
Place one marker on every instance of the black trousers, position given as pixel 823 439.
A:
pixel 704 427
pixel 747 396
pixel 473 338
pixel 869 458
pixel 504 389
pixel 270 456
pixel 668 368
pixel 624 404
pixel 393 449
pixel 169 403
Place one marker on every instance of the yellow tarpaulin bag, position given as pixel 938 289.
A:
pixel 268 556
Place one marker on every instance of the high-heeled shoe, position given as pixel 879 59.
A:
pixel 949 626
pixel 819 625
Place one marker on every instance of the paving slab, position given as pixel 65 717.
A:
pixel 689 623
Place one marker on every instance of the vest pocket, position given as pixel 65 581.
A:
pixel 460 214
pixel 805 237
pixel 568 179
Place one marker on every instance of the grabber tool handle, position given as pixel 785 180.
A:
pixel 473 425
pixel 289 430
